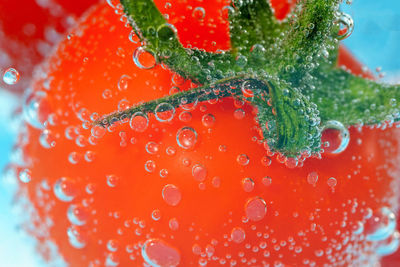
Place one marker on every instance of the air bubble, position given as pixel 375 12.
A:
pixel 76 237
pixel 312 178
pixel 164 112
pixel 139 122
pixel 267 181
pixel 150 166
pixel 332 182
pixel 336 136
pixel 25 175
pixel 238 235
pixel 144 59
pixel 208 120
pixel 133 37
pixel 199 13
pixel 36 109
pixel 186 137
pixel 157 252
pixel 390 245
pixel 239 114
pixel 248 184
pixel 346 25
pixel 77 214
pixel 152 148
pixel 11 76
pixel 112 245
pixel 112 180
pixel 380 225
pixel 65 189
pixel 171 194
pixel 199 172
pixel 156 215
pixel 173 224
pixel 185 116
pixel 242 159
pixel 124 82
pixel 166 32
pixel 256 209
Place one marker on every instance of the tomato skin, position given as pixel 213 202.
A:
pixel 29 30
pixel 118 195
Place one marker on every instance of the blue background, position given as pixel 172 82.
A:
pixel 375 42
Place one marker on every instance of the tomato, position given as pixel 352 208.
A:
pixel 198 189
pixel 30 29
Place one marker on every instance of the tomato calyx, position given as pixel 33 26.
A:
pixel 287 69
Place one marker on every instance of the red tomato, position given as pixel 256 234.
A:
pixel 200 189
pixel 30 29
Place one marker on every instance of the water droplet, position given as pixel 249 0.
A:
pixel 25 175
pixel 36 109
pixel 380 225
pixel 11 76
pixel 65 189
pixel 171 194
pixel 157 253
pixel 77 214
pixel 248 184
pixel 198 13
pixel 173 224
pixel 124 82
pixel 139 122
pixel 256 209
pixel 150 166
pixel 243 159
pixel 336 135
pixel 185 116
pixel 346 25
pixel 112 180
pixel 186 137
pixel 76 237
pixel 238 235
pixel 156 215
pixel 312 178
pixel 164 112
pixel 199 172
pixel 144 59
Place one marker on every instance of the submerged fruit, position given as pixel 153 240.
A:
pixel 192 185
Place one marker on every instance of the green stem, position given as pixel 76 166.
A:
pixel 312 26
pixel 223 88
pixel 356 100
pixel 162 40
pixel 251 23
pixel 295 86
